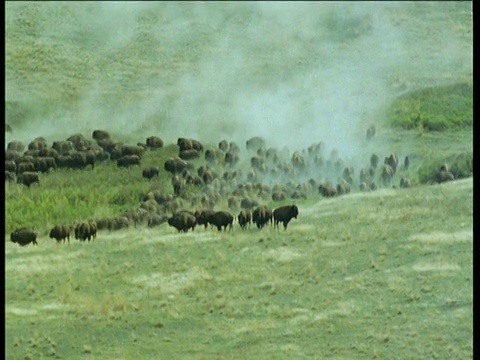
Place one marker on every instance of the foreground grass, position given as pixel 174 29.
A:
pixel 382 275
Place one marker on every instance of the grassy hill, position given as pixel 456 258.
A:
pixel 383 274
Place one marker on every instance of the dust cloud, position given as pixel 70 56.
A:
pixel 294 73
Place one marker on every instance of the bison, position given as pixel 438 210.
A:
pixel 175 165
pixel 24 236
pixel 203 215
pixel 60 233
pixel 244 218
pixel 128 160
pixel 182 221
pixel 261 216
pixel 150 172
pixel 371 132
pixel 85 230
pixel 327 190
pixel 154 142
pixel 387 174
pixel 9 176
pixel 189 154
pixel 221 219
pixel 99 135
pixel 16 146
pixel 255 143
pixel 28 178
pixel 284 214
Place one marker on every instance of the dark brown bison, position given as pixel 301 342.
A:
pixel 405 183
pixel 11 166
pixel 248 204
pixel 387 174
pixel 80 142
pixel 108 145
pixel 213 155
pixel 48 152
pixel 189 144
pixel 156 220
pixel 244 218
pixel 128 160
pixel 444 176
pixel 28 178
pixel 16 146
pixel 44 164
pixel 12 155
pixel 284 214
pixel 221 219
pixel 85 230
pixel 348 174
pixel 60 233
pixel 154 142
pixel 178 184
pixel 374 161
pixel 279 195
pixel 223 145
pixel 9 176
pixel 203 215
pixel 182 221
pixel 175 165
pixel 150 172
pixel 189 154
pixel 23 237
pixel 371 132
pixel 343 188
pixel 261 216
pixel 99 135
pixel 392 160
pixel 327 190
pixel 63 147
pixel 255 143
pixel 25 167
pixel 231 158
pixel 37 144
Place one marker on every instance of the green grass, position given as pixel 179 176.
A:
pixel 438 108
pixel 360 276
pixel 386 274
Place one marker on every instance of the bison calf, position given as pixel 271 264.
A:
pixel 284 214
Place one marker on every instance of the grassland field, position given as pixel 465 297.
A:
pixel 386 274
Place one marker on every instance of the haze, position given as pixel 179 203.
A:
pixel 294 73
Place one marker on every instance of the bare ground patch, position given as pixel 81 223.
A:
pixel 420 267
pixel 282 255
pixel 443 237
pixel 174 282
pixel 43 263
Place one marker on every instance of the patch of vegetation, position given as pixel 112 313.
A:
pixel 436 108
pixel 460 165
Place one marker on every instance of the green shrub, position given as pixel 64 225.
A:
pixel 436 108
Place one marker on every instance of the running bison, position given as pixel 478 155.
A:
pixel 28 178
pixel 244 218
pixel 85 230
pixel 182 221
pixel 221 219
pixel 60 233
pixel 150 172
pixel 261 216
pixel 23 237
pixel 284 214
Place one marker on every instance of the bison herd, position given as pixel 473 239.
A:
pixel 227 177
